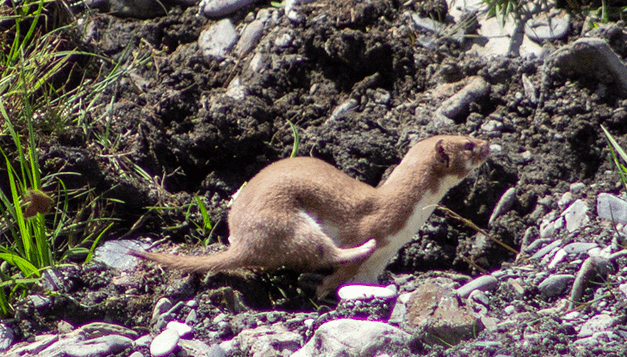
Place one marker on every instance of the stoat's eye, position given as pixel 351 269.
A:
pixel 469 146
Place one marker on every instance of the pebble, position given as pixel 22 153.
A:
pixel 548 26
pixel 458 105
pixel 363 292
pixel 577 187
pixel 611 208
pixel 347 337
pixel 555 284
pixel 219 8
pixel 250 37
pixel 483 283
pixel 542 252
pixel 6 336
pixel 576 215
pixel 164 343
pixel 216 41
pixel 181 328
pixel 565 200
pixel 99 346
pixel 579 247
pixel 113 253
pixel 342 108
pixel 592 58
pixel 161 307
pixel 558 258
pixel 602 322
pixel 504 204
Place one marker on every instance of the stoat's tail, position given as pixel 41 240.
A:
pixel 221 261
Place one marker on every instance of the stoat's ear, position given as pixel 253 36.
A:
pixel 441 154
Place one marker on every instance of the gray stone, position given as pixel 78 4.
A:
pixel 274 340
pixel 611 208
pixel 250 37
pixel 576 215
pixel 555 284
pixel 435 310
pixel 599 323
pixel 217 40
pixel 577 187
pixel 565 200
pixel 161 307
pixel 548 25
pixel 347 337
pixel 579 247
pixel 458 105
pixel 483 283
pixel 219 8
pixel 197 348
pixel 590 58
pixel 542 252
pixel 99 346
pixel 504 204
pixel 6 336
pixel 114 253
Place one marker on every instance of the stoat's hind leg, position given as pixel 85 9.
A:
pixel 345 255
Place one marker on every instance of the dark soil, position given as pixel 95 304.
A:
pixel 171 118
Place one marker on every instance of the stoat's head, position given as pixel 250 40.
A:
pixel 457 155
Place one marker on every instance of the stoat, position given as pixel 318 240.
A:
pixel 303 213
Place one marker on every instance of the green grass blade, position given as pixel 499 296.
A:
pixel 22 264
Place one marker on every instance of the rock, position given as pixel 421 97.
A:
pixel 197 348
pixel 219 8
pixel 504 204
pixel 542 252
pixel 565 200
pixel 274 340
pixel 590 58
pixel 141 9
pixel 362 292
pixel 99 346
pixel 342 108
pixel 457 106
pixel 216 41
pixel 602 322
pixel 483 283
pixel 181 329
pixel 548 25
pixel 250 37
pixel 579 247
pixel 161 307
pixel 576 215
pixel 114 253
pixel 435 311
pixel 555 284
pixel 164 343
pixel 557 258
pixel 577 187
pixel 611 208
pixel 6 337
pixel 347 337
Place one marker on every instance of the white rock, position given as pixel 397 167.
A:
pixel 558 258
pixel 347 337
pixel 164 343
pixel 565 200
pixel 576 215
pixel 181 328
pixel 602 322
pixel 611 208
pixel 217 40
pixel 362 292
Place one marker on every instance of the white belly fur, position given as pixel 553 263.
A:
pixel 370 270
